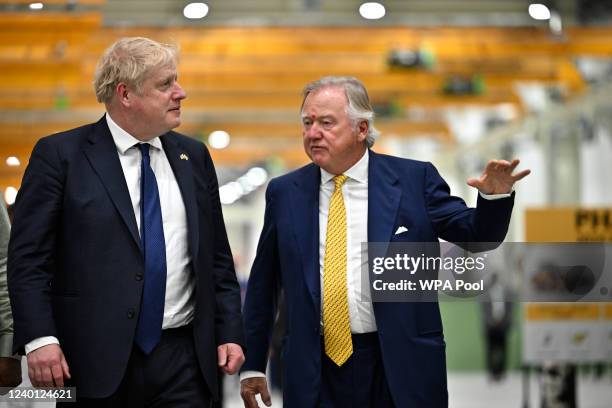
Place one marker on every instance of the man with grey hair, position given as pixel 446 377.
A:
pixel 340 348
pixel 120 273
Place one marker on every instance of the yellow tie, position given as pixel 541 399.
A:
pixel 336 324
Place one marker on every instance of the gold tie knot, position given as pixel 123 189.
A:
pixel 339 181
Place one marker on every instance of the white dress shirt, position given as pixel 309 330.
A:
pixel 180 285
pixel 355 194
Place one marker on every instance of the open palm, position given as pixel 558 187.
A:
pixel 497 177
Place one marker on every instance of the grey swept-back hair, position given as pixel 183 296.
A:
pixel 129 60
pixel 358 108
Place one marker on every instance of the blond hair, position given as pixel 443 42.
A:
pixel 129 60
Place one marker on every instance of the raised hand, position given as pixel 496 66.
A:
pixel 497 177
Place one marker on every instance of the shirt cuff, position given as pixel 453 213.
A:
pixel 495 196
pixel 251 374
pixel 40 342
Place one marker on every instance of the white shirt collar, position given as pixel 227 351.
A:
pixel 359 171
pixel 123 140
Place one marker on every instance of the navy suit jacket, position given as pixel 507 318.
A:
pixel 75 263
pixel 400 193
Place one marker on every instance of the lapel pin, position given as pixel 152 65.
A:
pixel 184 156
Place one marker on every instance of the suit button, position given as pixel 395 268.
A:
pixel 131 313
pixel 138 276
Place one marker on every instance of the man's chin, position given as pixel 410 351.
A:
pixel 319 160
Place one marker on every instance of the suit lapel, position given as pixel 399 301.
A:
pixel 183 171
pixel 102 154
pixel 383 202
pixel 305 212
pixel 383 199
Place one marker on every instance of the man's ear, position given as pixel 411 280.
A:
pixel 124 94
pixel 363 128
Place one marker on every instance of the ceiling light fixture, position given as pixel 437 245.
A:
pixel 372 11
pixel 195 11
pixel 539 11
pixel 219 139
pixel 12 161
pixel 36 6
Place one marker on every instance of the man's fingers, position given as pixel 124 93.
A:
pixel 222 355
pixel 47 377
pixel 65 368
pixel 250 387
pixel 47 366
pixel 227 368
pixel 58 375
pixel 230 367
pixel 39 378
pixel 521 175
pixel 31 374
pixel 248 396
pixel 250 401
pixel 230 357
pixel 235 358
pixel 265 396
pixel 474 183
pixel 504 165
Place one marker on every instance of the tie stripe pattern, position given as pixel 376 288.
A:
pixel 336 323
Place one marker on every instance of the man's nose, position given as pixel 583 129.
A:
pixel 313 131
pixel 179 92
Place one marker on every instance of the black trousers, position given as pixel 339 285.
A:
pixel 168 377
pixel 360 382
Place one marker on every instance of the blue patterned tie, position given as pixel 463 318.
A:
pixel 151 315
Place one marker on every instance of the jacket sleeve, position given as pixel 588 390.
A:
pixel 261 300
pixel 32 247
pixel 228 317
pixel 6 318
pixel 455 222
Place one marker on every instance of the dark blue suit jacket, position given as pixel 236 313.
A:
pixel 400 193
pixel 75 262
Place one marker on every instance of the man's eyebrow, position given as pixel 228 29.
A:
pixel 169 77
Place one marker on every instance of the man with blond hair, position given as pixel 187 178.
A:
pixel 120 272
pixel 341 349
